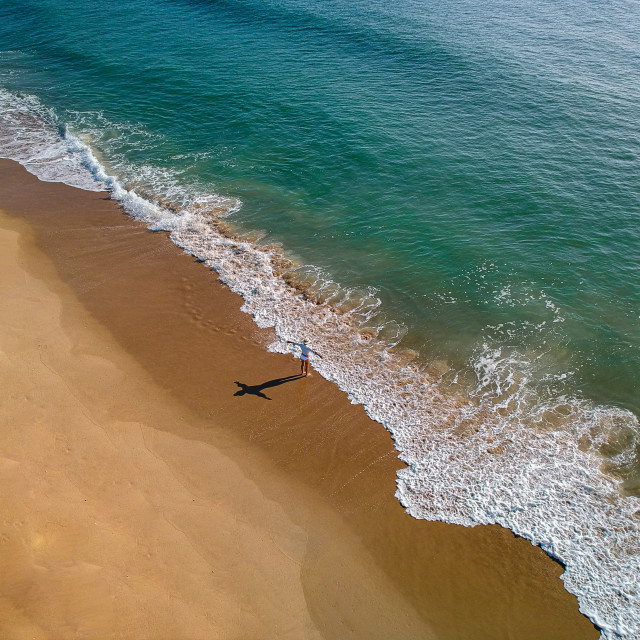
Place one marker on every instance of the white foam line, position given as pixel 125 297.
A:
pixel 29 136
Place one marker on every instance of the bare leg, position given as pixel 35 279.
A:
pixel 305 367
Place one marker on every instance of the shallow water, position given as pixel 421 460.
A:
pixel 457 184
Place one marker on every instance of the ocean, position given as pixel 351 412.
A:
pixel 443 197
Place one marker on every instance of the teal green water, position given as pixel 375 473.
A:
pixel 473 166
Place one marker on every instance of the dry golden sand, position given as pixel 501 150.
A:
pixel 142 498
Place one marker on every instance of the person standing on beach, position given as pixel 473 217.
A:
pixel 305 355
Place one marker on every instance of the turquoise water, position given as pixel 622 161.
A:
pixel 468 170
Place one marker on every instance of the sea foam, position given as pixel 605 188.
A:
pixel 492 453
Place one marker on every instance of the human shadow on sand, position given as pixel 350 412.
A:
pixel 256 389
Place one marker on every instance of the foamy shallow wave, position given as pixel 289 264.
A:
pixel 493 454
pixel 28 135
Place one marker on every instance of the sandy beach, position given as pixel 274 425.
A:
pixel 164 476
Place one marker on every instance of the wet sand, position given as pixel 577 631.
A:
pixel 164 476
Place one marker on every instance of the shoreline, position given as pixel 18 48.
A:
pixel 344 560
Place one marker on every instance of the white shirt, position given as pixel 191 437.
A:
pixel 306 350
